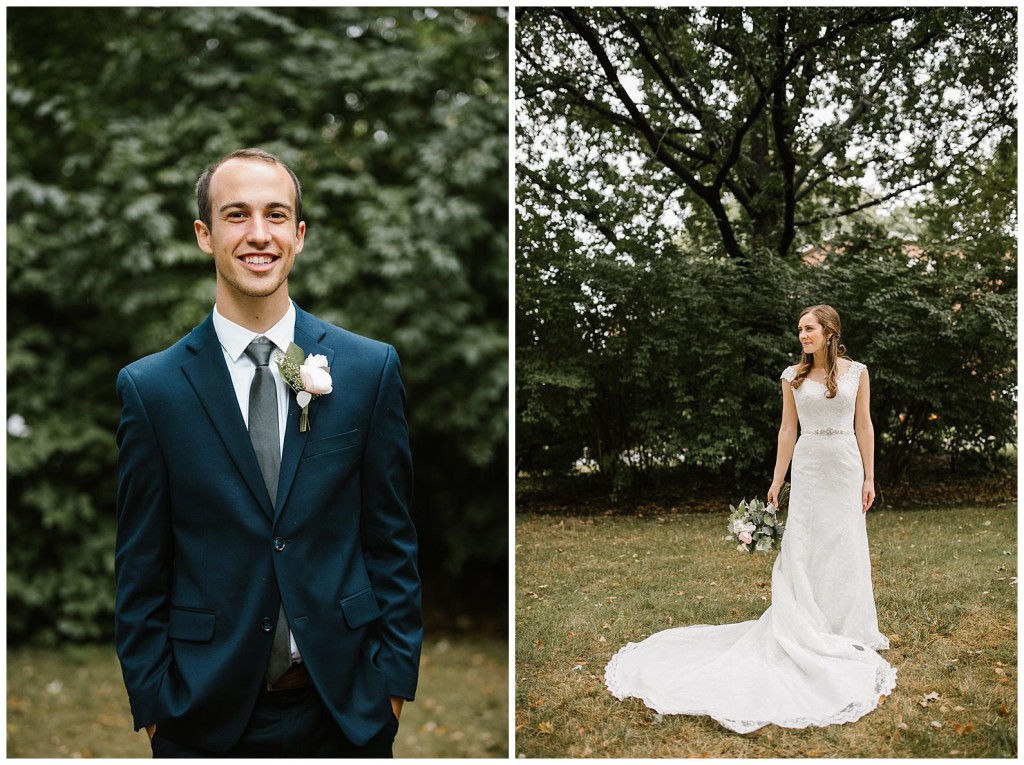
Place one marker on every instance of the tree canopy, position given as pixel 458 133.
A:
pixel 763 123
pixel 396 122
pixel 689 178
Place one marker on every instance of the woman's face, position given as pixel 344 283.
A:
pixel 812 336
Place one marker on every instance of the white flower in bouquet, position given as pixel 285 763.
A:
pixel 755 526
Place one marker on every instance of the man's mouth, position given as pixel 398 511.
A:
pixel 259 261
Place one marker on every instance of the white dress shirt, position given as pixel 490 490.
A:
pixel 234 339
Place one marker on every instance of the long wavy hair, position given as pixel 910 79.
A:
pixel 828 318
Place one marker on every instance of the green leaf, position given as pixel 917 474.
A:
pixel 295 354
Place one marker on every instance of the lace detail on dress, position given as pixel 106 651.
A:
pixel 885 681
pixel 856 367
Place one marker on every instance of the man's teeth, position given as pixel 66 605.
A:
pixel 258 260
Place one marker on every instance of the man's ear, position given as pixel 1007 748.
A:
pixel 300 236
pixel 203 237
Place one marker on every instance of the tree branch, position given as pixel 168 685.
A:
pixel 782 132
pixel 709 195
pixel 649 56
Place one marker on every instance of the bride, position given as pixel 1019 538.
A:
pixel 811 659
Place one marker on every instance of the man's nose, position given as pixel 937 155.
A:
pixel 259 230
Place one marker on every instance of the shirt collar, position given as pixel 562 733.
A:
pixel 235 338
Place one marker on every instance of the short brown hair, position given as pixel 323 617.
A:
pixel 203 203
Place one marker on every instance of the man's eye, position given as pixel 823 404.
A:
pixel 236 214
pixel 277 215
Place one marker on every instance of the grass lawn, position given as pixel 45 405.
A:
pixel 945 589
pixel 72 703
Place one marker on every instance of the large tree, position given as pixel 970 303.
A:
pixel 688 178
pixel 762 123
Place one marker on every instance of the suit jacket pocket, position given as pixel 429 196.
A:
pixel 361 608
pixel 190 624
pixel 332 443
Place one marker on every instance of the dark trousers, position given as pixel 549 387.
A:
pixel 290 724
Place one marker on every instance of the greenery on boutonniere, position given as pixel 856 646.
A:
pixel 309 376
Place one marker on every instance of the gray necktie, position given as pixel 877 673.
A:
pixel 264 431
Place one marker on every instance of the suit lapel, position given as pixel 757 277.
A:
pixel 208 374
pixel 309 331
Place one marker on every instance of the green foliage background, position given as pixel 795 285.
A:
pixel 642 336
pixel 395 121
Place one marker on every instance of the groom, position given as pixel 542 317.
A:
pixel 268 602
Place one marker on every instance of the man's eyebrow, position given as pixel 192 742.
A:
pixel 245 206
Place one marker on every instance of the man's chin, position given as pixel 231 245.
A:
pixel 251 288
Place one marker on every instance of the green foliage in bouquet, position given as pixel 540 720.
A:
pixel 756 526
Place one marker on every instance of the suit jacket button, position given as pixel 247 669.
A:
pixel 279 544
pixel 268 625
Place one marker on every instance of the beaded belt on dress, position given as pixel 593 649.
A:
pixel 827 432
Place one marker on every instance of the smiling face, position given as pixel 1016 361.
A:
pixel 254 236
pixel 812 335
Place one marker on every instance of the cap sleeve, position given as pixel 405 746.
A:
pixel 856 368
pixel 788 374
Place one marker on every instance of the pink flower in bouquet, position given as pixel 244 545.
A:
pixel 745 538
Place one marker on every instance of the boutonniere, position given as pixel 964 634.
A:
pixel 309 376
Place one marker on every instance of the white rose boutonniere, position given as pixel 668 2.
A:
pixel 309 379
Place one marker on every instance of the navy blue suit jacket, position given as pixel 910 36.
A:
pixel 202 553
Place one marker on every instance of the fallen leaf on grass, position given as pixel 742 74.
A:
pixel 1003 711
pixel 1000 671
pixel 902 725
pixel 538 643
pixel 546 727
pixel 929 698
pixel 963 730
pixel 958 709
pixel 936 724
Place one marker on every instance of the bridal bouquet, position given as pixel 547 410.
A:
pixel 755 525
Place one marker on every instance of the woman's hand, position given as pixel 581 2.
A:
pixel 867 495
pixel 773 493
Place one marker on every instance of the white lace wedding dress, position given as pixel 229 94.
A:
pixel 811 658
